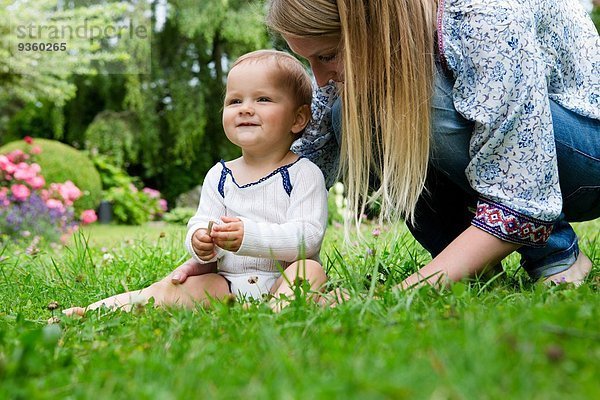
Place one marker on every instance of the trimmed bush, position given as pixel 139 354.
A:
pixel 60 163
pixel 179 215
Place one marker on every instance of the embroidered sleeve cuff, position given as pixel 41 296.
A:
pixel 510 225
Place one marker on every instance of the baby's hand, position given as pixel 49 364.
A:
pixel 203 245
pixel 229 234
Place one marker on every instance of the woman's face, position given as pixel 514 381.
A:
pixel 322 55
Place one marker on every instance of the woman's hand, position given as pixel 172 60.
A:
pixel 229 234
pixel 191 268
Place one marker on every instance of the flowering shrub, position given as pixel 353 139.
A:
pixel 31 207
pixel 60 163
pixel 135 207
pixel 131 206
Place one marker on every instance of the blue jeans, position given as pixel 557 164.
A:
pixel 446 208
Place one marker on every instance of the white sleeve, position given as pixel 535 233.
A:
pixel 301 236
pixel 211 208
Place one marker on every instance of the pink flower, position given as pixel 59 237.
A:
pixel 152 193
pixel 55 204
pixel 20 192
pixel 44 195
pixel 16 156
pixel 6 165
pixel 376 231
pixel 36 150
pixel 68 191
pixel 88 216
pixel 24 172
pixel 37 182
pixel 163 204
pixel 3 162
pixel 28 139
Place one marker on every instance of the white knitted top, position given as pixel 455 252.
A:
pixel 284 216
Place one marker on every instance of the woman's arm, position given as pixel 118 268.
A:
pixel 471 252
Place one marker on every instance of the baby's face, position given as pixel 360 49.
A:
pixel 259 114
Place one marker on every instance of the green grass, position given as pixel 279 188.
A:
pixel 505 338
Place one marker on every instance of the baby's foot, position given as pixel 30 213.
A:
pixel 123 301
pixel 576 273
pixel 74 311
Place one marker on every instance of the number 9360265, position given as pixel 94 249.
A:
pixel 41 46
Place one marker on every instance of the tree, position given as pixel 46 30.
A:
pixel 43 43
pixel 177 106
pixel 169 119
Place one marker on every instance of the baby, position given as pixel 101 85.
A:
pixel 262 217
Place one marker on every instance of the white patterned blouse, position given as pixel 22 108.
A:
pixel 508 57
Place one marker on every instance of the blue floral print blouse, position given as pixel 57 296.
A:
pixel 508 58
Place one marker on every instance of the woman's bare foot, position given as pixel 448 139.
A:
pixel 576 273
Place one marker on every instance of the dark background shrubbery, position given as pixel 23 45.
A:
pixel 165 126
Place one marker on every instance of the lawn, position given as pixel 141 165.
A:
pixel 501 338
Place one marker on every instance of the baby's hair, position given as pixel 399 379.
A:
pixel 293 74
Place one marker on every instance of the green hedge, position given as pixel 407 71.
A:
pixel 59 163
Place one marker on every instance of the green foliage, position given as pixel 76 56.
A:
pixel 164 126
pixel 131 206
pixel 595 14
pixel 61 163
pixel 34 119
pixel 173 133
pixel 111 175
pixel 179 215
pixel 33 76
pixel 508 339
pixel 115 134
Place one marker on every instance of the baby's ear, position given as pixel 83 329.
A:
pixel 302 118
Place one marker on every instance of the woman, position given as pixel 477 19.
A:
pixel 493 106
pixel 480 121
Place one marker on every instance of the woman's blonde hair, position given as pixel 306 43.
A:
pixel 386 48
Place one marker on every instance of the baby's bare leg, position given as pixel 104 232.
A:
pixel 303 270
pixel 196 289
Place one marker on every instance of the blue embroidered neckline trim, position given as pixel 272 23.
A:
pixel 283 170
